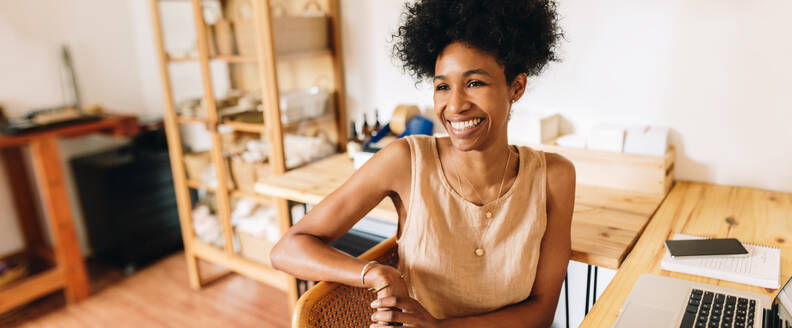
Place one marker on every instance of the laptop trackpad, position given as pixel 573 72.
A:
pixel 642 315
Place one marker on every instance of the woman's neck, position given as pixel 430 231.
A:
pixel 481 169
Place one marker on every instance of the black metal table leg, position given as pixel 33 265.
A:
pixel 588 287
pixel 589 294
pixel 566 297
pixel 594 294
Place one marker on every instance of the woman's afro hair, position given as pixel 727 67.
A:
pixel 521 34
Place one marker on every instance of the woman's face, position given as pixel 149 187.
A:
pixel 471 96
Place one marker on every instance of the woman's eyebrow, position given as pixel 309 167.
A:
pixel 466 74
pixel 476 71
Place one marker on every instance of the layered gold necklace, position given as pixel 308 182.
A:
pixel 479 251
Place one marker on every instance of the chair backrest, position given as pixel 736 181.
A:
pixel 336 305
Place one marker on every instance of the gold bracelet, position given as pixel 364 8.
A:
pixel 386 285
pixel 363 272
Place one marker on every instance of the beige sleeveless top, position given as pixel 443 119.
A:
pixel 442 231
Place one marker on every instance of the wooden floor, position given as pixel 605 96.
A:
pixel 159 296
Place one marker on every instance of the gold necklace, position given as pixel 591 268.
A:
pixel 479 251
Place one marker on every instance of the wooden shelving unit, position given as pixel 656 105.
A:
pixel 269 62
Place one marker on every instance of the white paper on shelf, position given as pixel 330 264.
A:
pixel 572 141
pixel 532 128
pixel 646 140
pixel 606 137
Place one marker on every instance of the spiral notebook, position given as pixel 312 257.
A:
pixel 761 268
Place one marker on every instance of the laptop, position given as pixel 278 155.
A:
pixel 658 301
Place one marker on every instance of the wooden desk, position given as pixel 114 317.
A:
pixel 606 223
pixel 67 267
pixel 762 217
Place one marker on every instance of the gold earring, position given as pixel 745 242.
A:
pixel 513 100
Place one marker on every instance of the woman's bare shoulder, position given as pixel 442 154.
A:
pixel 559 167
pixel 391 165
pixel 560 179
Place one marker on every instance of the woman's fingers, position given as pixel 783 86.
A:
pixel 383 315
pixel 407 304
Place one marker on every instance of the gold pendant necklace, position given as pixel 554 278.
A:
pixel 479 251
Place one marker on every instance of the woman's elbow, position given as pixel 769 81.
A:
pixel 279 253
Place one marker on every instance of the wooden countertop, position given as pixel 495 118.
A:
pixel 605 225
pixel 762 217
pixel 117 125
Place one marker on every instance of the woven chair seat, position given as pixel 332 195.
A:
pixel 337 305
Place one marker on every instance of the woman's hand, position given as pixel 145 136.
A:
pixel 404 310
pixel 381 275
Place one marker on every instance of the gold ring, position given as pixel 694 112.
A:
pixel 386 285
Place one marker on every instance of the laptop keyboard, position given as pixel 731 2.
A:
pixel 708 309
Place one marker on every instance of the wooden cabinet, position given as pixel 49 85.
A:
pixel 269 49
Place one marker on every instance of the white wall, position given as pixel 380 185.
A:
pixel 373 79
pixel 716 72
pixel 98 34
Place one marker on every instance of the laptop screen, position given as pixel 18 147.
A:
pixel 783 302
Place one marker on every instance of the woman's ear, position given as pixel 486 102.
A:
pixel 518 86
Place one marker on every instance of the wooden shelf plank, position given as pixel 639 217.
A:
pixel 292 56
pixel 183 119
pixel 261 199
pixel 234 58
pixel 302 55
pixel 327 118
pixel 237 263
pixel 246 127
pixel 31 288
pixel 225 58
pixel 195 184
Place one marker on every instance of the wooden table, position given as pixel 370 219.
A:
pixel 605 225
pixel 762 217
pixel 68 269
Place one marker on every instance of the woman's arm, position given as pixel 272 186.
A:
pixel 305 251
pixel 538 310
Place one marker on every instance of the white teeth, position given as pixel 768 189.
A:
pixel 465 124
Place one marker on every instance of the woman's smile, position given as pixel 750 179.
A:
pixel 465 127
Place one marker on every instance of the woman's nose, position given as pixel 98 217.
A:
pixel 458 102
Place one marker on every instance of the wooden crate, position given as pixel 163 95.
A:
pixel 643 173
pixel 255 248
pixel 294 34
pixel 196 163
pixel 246 174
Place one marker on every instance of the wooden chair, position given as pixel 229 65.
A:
pixel 335 305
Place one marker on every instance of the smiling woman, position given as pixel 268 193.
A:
pixel 484 227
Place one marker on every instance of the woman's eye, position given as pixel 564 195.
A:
pixel 475 84
pixel 441 87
